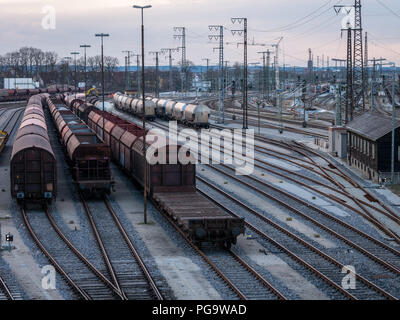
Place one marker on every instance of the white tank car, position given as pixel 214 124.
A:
pixel 123 102
pixel 127 104
pixel 119 101
pixel 169 109
pixel 197 115
pixel 178 112
pixel 133 107
pixel 149 109
pixel 160 108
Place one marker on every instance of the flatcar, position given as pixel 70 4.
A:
pixel 33 165
pixel 88 156
pixel 171 186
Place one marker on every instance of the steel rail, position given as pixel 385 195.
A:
pixel 304 243
pixel 5 289
pixel 81 257
pixel 74 286
pixel 133 250
pixel 102 247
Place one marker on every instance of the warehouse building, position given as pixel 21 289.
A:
pixel 369 145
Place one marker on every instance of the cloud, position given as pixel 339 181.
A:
pixel 77 21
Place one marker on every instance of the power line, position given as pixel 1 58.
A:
pixel 388 8
pixel 297 24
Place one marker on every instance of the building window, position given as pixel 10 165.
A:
pixel 398 153
pixel 373 151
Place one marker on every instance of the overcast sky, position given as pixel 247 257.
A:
pixel 303 24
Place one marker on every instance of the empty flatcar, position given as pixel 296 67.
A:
pixel 33 164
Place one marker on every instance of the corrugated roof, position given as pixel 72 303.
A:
pixel 372 125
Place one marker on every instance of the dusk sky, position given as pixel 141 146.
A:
pixel 303 24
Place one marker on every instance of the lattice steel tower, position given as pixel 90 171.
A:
pixel 358 58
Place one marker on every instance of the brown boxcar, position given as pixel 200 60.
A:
pixel 33 164
pixel 88 155
pixel 171 186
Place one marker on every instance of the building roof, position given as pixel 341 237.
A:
pixel 372 126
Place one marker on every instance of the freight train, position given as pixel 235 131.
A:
pixel 87 154
pixel 135 106
pixel 187 114
pixel 33 165
pixel 172 187
pixel 24 94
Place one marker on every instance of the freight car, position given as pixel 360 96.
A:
pixel 188 114
pixel 24 94
pixel 135 106
pixel 88 155
pixel 172 187
pixel 33 164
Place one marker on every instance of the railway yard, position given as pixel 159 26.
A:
pixel 307 217
pixel 189 188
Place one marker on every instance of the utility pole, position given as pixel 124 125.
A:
pixel 144 121
pixel 221 91
pixel 244 32
pixel 264 86
pixel 207 74
pixel 85 46
pixel 157 73
pixel 373 80
pixel 393 120
pixel 102 35
pixel 76 84
pixel 277 84
pixel 182 36
pixel 129 54
pixel 170 50
pixel 349 80
pixel 137 73
pixel 366 72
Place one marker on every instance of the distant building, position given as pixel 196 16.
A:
pixel 369 145
pixel 20 83
pixel 201 85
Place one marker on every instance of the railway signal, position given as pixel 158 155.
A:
pixel 9 240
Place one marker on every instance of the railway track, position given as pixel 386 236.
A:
pixel 355 238
pixel 323 265
pixel 8 122
pixel 130 276
pixel 82 276
pixel 234 271
pixel 5 291
pixel 380 207
pixel 359 206
pixel 368 246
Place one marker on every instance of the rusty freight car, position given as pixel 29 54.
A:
pixel 87 154
pixel 172 187
pixel 33 164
